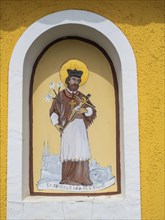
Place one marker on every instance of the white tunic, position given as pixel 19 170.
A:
pixel 74 141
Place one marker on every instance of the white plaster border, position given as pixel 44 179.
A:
pixel 20 205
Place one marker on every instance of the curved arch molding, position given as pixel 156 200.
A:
pixel 103 32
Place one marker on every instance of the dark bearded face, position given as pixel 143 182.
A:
pixel 73 83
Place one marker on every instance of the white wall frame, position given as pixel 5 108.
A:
pixel 85 24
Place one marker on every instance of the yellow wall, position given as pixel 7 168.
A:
pixel 143 24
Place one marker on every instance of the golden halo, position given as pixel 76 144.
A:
pixel 74 64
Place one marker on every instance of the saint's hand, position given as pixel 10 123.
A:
pixel 59 128
pixel 82 110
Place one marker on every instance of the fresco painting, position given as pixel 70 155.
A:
pixel 71 113
pixel 74 148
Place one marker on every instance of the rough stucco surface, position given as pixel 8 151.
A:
pixel 143 24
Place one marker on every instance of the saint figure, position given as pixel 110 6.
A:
pixel 72 113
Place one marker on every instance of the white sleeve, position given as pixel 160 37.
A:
pixel 89 111
pixel 54 118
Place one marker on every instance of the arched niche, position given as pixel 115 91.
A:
pixel 103 136
pixel 104 33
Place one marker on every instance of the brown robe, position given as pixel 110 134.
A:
pixel 73 173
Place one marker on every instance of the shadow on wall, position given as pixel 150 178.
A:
pixel 16 14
